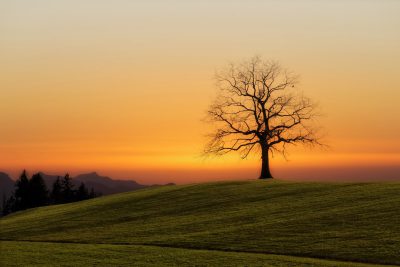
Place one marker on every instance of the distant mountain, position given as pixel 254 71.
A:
pixel 105 185
pixel 6 186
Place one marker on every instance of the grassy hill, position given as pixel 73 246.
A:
pixel 270 223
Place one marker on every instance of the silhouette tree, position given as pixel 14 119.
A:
pixel 259 109
pixel 4 200
pixel 56 192
pixel 9 205
pixel 92 194
pixel 67 189
pixel 3 204
pixel 21 192
pixel 30 193
pixel 82 192
pixel 38 193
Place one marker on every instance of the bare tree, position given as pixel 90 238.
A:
pixel 259 109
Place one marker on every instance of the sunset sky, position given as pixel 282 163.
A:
pixel 121 87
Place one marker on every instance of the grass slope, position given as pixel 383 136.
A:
pixel 67 254
pixel 349 222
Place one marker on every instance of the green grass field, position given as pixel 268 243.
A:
pixel 250 223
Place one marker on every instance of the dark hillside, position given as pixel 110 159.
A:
pixel 350 222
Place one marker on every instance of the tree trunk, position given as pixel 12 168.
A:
pixel 265 172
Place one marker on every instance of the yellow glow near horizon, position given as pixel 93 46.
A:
pixel 121 87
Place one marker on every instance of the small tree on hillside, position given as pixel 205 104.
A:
pixel 258 108
pixel 21 193
pixel 93 194
pixel 9 206
pixel 67 189
pixel 38 193
pixel 56 192
pixel 82 192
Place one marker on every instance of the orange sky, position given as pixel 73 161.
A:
pixel 120 87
